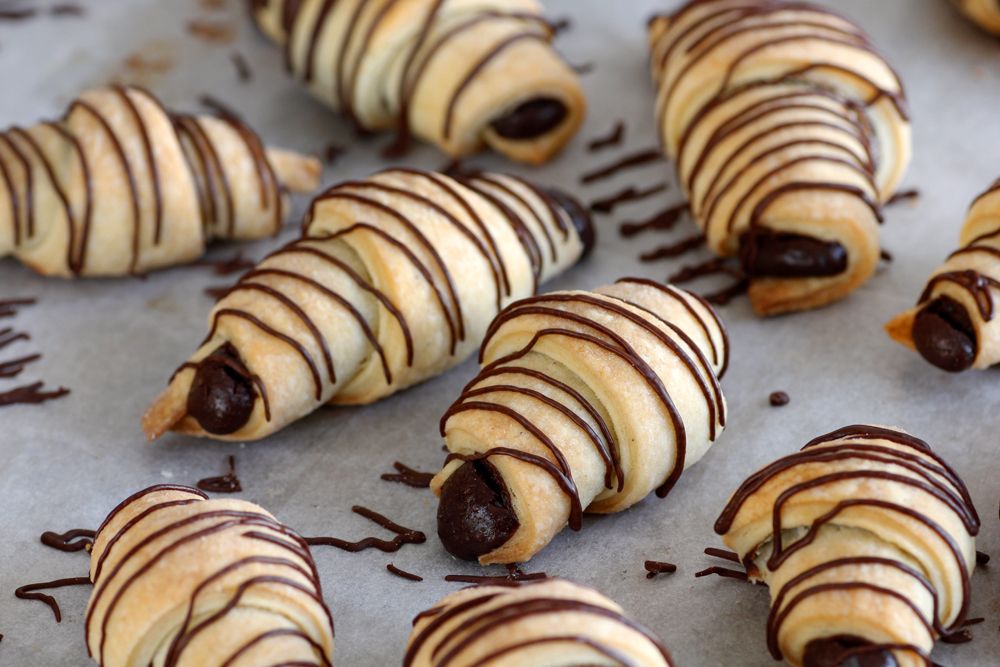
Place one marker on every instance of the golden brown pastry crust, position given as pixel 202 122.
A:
pixel 394 281
pixel 589 401
pixel 121 186
pixel 543 624
pixel 984 13
pixel 781 118
pixel 877 543
pixel 441 71
pixel 183 581
pixel 971 278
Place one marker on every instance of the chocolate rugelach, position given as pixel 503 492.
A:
pixel 448 92
pixel 395 278
pixel 181 579
pixel 543 623
pixel 593 379
pixel 866 538
pixel 136 187
pixel 785 166
pixel 954 324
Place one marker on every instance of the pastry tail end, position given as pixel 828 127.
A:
pixel 299 173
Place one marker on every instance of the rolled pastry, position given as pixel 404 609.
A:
pixel 183 581
pixel 544 624
pixel 984 13
pixel 394 281
pixel 789 130
pixel 587 401
pixel 866 540
pixel 122 186
pixel 954 325
pixel 460 74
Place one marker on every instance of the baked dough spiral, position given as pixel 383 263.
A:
pixel 788 130
pixel 586 401
pixel 954 326
pixel 984 13
pixel 394 281
pixel 543 624
pixel 459 74
pixel 180 580
pixel 866 539
pixel 121 186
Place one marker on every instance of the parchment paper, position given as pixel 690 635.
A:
pixel 115 343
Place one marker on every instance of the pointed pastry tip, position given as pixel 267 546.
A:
pixel 299 173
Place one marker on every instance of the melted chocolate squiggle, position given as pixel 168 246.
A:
pixel 403 537
pixel 32 592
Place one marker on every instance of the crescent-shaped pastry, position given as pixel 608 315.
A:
pixel 954 326
pixel 394 281
pixel 866 539
pixel 459 74
pixel 543 624
pixel 122 186
pixel 789 130
pixel 984 13
pixel 183 581
pixel 587 401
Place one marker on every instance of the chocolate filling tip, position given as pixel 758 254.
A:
pixel 846 651
pixel 531 119
pixel 944 335
pixel 580 217
pixel 766 253
pixel 475 515
pixel 222 395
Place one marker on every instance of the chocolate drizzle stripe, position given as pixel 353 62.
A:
pixel 497 370
pixel 497 183
pixel 8 336
pixel 76 257
pixel 455 312
pixel 147 146
pixel 271 634
pixel 408 476
pixel 57 187
pixel 976 284
pixel 838 446
pixel 475 71
pixel 403 574
pixel 232 519
pixel 446 215
pixel 300 248
pixel 536 306
pixel 267 329
pixel 474 628
pixel 119 151
pixel 621 349
pixel 441 617
pixel 29 186
pixel 679 296
pixel 417 264
pixel 246 284
pixel 362 323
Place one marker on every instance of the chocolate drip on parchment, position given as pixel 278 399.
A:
pixel 33 592
pixel 403 537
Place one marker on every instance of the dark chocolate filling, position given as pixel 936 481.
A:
pixel 475 515
pixel 829 652
pixel 531 119
pixel 783 255
pixel 222 394
pixel 580 218
pixel 944 335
